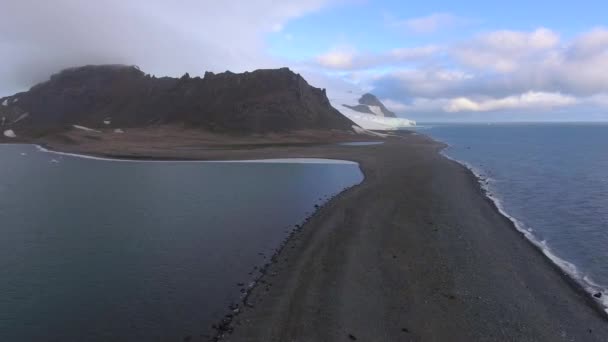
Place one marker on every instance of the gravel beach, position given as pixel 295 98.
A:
pixel 414 253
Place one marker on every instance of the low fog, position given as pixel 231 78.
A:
pixel 39 38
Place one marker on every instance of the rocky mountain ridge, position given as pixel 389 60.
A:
pixel 369 104
pixel 118 96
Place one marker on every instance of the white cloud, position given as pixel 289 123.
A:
pixel 394 106
pixel 430 23
pixel 347 58
pixel 504 51
pixel 414 53
pixel 338 59
pixel 529 100
pixel 161 37
pixel 594 42
pixel 506 71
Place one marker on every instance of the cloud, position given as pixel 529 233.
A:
pixel 343 58
pixel 589 44
pixel 430 23
pixel 503 71
pixel 529 100
pixel 347 58
pixel 394 106
pixel 38 38
pixel 504 51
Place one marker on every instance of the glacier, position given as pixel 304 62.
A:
pixel 369 121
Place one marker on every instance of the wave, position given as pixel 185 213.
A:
pixel 570 269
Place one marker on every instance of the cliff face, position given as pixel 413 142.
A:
pixel 369 104
pixel 123 96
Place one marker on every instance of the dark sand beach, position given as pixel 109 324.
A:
pixel 414 253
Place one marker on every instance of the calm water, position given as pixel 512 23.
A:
pixel 552 179
pixel 95 250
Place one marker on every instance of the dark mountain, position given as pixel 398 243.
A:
pixel 261 101
pixel 368 100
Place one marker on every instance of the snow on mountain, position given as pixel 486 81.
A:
pixel 376 121
pixel 376 110
pixel 9 133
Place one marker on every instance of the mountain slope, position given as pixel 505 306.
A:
pixel 120 96
pixel 371 114
pixel 369 104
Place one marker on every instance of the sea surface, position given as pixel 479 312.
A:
pixel 551 180
pixel 100 250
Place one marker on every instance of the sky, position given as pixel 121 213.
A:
pixel 428 60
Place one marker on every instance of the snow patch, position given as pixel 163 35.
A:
pixel 107 122
pixel 21 117
pixel 119 131
pixel 5 103
pixel 9 133
pixel 375 122
pixel 85 129
pixel 376 110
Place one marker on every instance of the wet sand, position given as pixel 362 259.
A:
pixel 414 253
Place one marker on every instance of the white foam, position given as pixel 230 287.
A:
pixel 276 160
pixel 9 133
pixel 569 268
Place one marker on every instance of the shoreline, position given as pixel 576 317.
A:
pixel 572 280
pixel 559 264
pixel 268 326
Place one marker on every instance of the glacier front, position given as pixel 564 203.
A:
pixel 374 122
pixel 370 117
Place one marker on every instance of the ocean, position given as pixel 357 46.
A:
pixel 551 180
pixel 101 250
